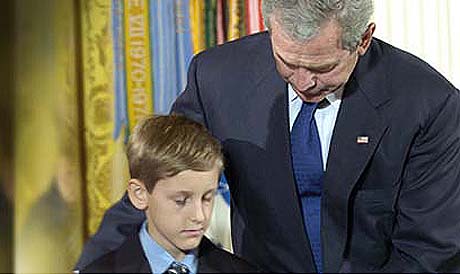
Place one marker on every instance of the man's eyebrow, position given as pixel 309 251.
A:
pixel 319 67
pixel 323 66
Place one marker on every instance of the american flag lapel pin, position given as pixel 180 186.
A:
pixel 362 139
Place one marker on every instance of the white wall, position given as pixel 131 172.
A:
pixel 428 29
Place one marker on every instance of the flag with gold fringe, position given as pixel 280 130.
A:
pixel 197 8
pixel 138 60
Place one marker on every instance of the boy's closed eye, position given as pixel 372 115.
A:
pixel 208 197
pixel 181 201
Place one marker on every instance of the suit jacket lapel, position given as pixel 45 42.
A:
pixel 358 117
pixel 205 260
pixel 272 90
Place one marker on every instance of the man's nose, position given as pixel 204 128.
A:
pixel 302 79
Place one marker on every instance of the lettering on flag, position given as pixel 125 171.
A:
pixel 138 61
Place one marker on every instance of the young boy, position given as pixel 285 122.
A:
pixel 175 165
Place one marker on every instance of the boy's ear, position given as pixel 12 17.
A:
pixel 138 194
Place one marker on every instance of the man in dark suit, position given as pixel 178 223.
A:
pixel 174 165
pixel 386 132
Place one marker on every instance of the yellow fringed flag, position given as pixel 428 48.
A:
pixel 98 101
pixel 234 19
pixel 197 17
pixel 138 60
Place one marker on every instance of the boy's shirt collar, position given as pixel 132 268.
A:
pixel 159 259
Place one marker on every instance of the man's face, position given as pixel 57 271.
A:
pixel 316 67
pixel 179 209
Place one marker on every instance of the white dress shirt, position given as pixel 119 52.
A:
pixel 325 117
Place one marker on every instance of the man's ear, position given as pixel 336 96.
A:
pixel 138 194
pixel 366 40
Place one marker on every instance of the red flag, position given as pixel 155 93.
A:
pixel 254 20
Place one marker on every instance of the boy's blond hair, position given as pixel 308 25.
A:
pixel 163 146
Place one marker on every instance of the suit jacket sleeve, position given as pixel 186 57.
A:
pixel 426 232
pixel 120 221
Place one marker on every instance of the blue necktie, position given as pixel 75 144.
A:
pixel 308 170
pixel 177 268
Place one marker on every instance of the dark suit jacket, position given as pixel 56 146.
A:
pixel 391 204
pixel 130 258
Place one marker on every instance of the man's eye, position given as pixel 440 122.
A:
pixel 325 69
pixel 286 64
pixel 290 66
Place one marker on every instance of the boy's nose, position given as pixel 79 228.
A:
pixel 198 214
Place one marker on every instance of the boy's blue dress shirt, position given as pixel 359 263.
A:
pixel 159 259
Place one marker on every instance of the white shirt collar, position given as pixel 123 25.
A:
pixel 333 98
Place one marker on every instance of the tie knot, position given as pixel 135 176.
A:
pixel 177 268
pixel 307 111
pixel 310 105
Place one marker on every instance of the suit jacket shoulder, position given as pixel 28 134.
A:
pixel 259 42
pixel 242 60
pixel 386 72
pixel 128 258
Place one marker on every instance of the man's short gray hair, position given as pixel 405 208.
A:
pixel 303 18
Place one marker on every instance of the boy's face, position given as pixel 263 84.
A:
pixel 179 208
